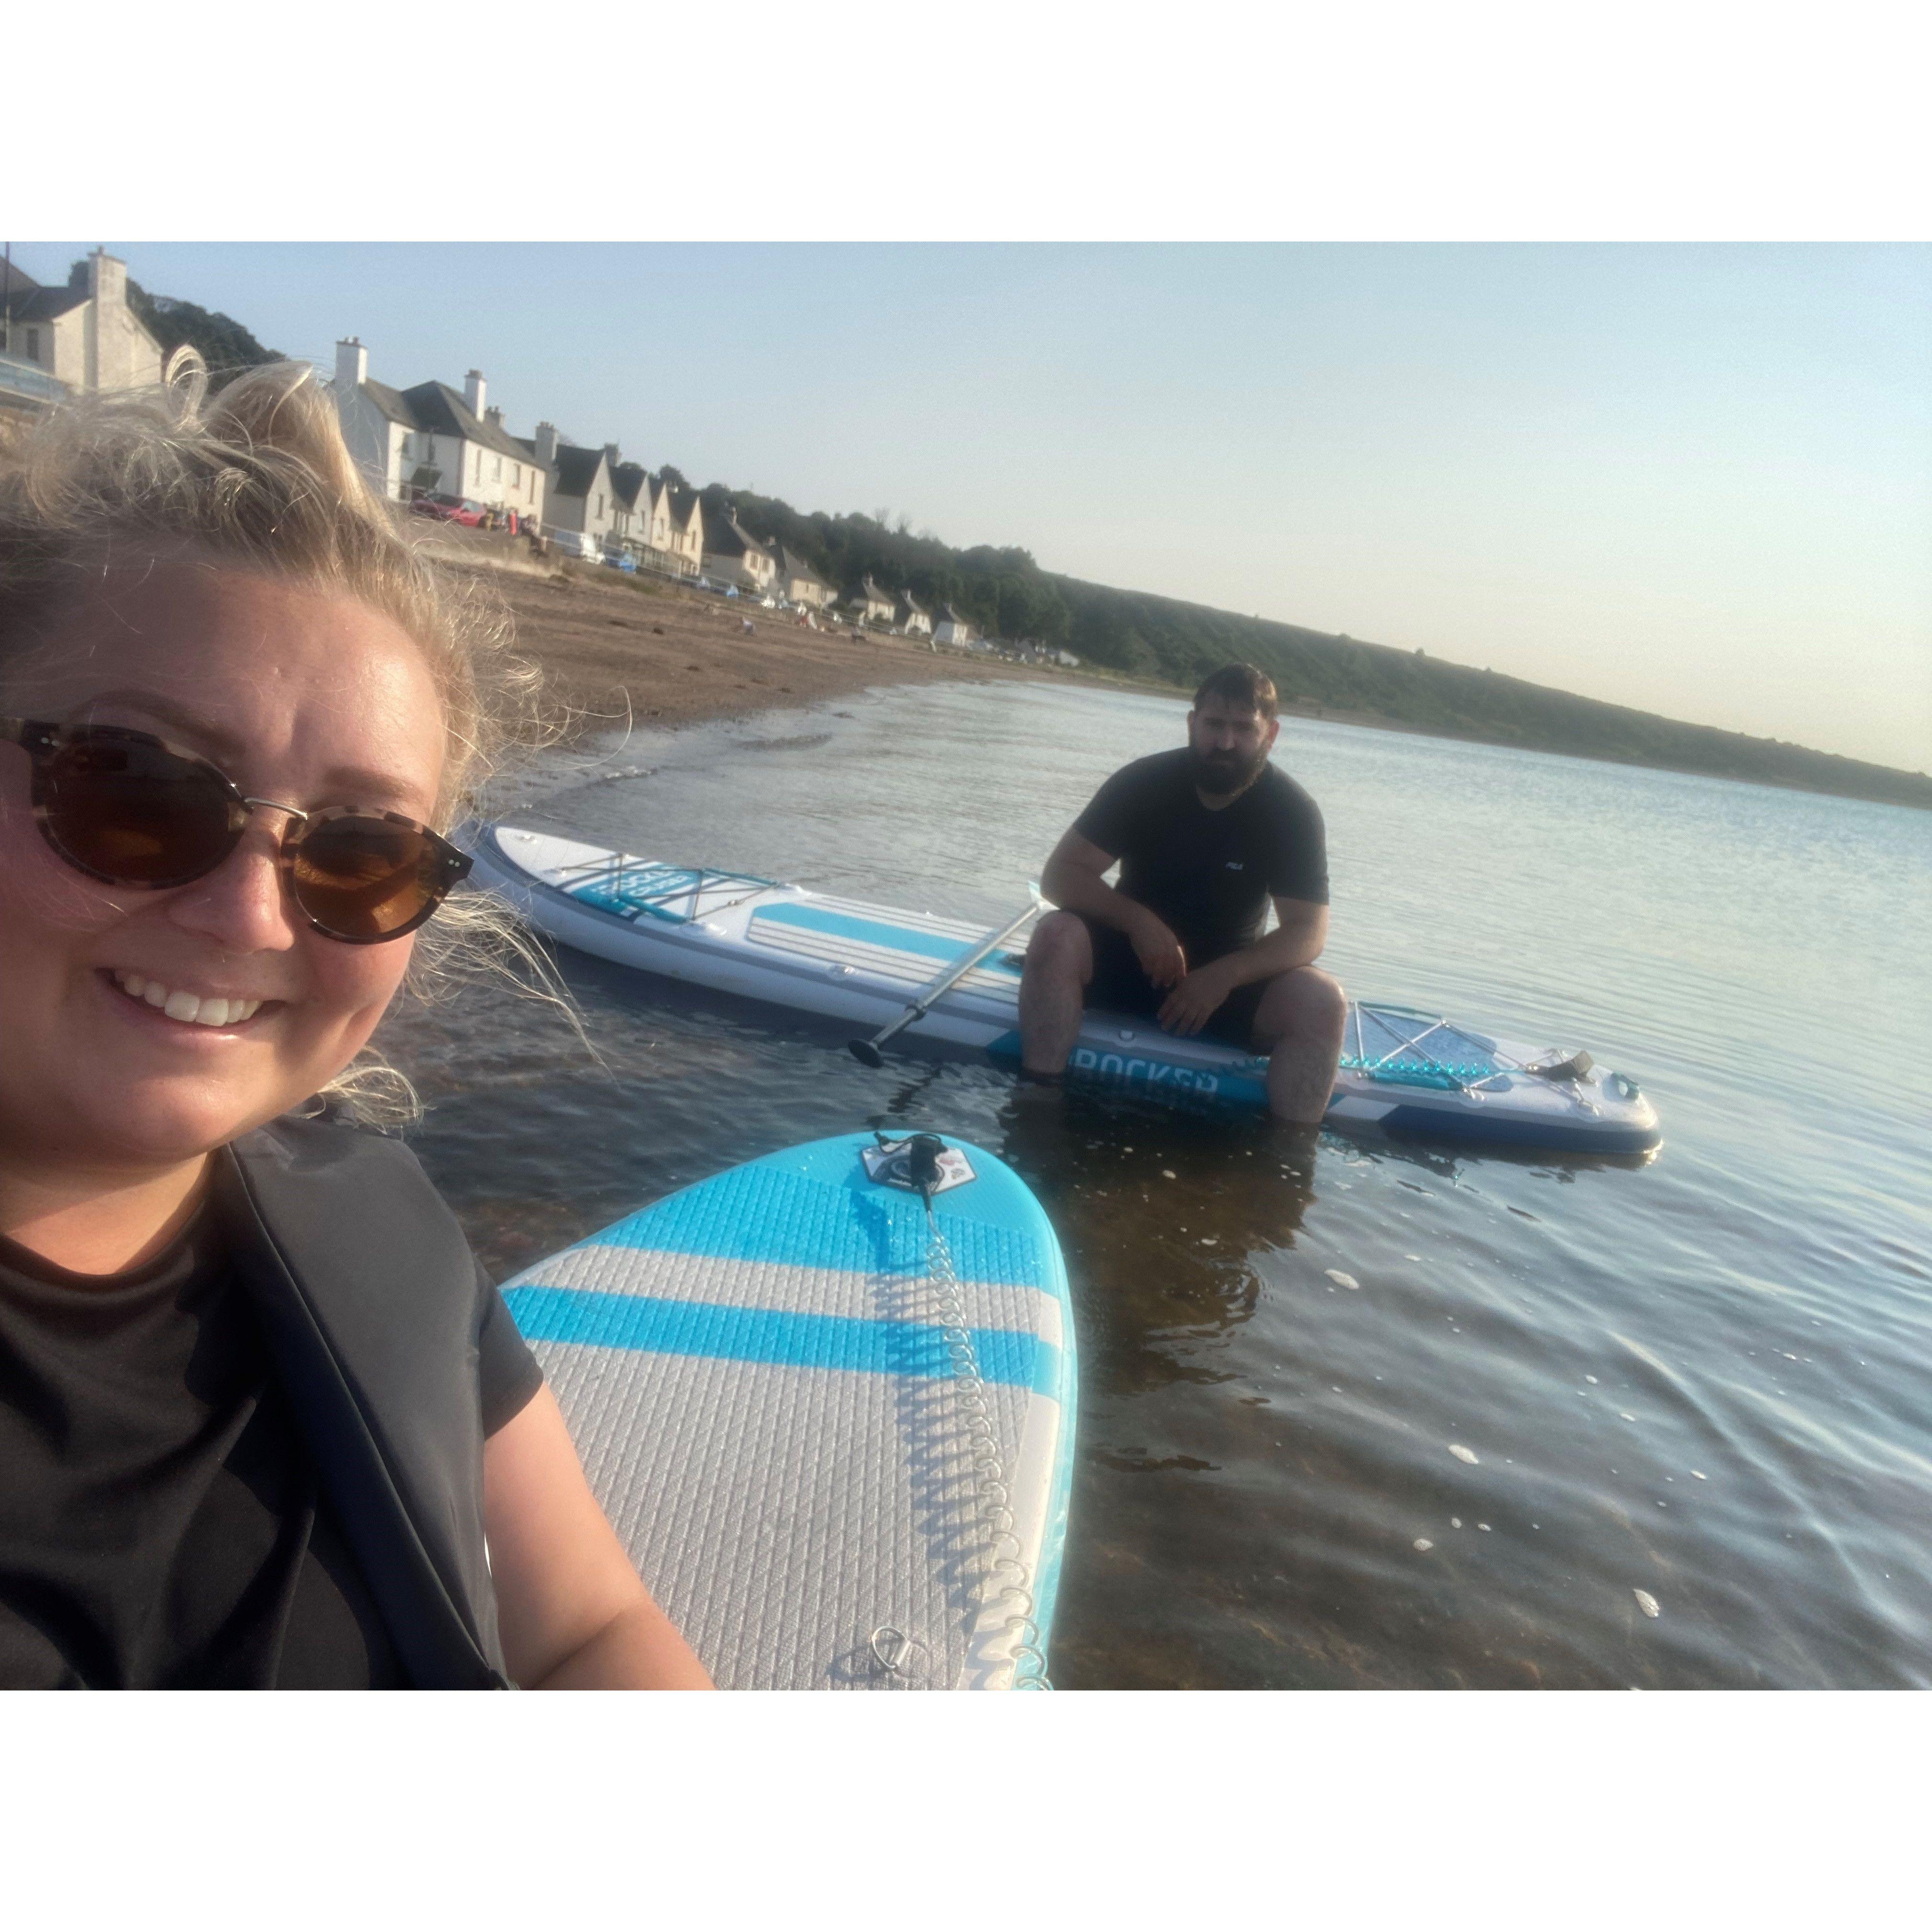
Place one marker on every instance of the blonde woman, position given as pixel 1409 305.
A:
pixel 262 1422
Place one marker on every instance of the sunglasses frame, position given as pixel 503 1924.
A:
pixel 44 742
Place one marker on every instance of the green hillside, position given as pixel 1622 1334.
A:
pixel 1007 594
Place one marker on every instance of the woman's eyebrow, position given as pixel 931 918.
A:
pixel 359 785
pixel 164 709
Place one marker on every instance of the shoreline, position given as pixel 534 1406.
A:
pixel 676 656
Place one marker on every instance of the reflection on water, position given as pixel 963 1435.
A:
pixel 1699 1376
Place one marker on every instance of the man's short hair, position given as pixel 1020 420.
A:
pixel 1241 687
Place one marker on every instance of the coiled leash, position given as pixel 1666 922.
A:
pixel 925 1165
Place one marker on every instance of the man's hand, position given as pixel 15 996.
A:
pixel 1194 1001
pixel 1159 953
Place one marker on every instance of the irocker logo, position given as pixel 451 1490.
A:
pixel 1151 1072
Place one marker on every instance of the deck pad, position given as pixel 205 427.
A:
pixel 754 1374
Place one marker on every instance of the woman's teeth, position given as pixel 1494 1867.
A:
pixel 179 1006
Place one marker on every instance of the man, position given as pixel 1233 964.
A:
pixel 1204 837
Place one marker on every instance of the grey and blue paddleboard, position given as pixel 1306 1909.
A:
pixel 827 1478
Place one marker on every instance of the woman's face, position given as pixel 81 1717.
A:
pixel 300 696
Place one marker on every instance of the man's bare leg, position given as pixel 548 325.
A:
pixel 1299 1020
pixel 1053 989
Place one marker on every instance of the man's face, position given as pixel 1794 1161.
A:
pixel 1229 744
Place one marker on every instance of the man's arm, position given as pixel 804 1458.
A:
pixel 573 1614
pixel 1075 881
pixel 1296 941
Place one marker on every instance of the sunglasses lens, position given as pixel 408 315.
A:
pixel 129 810
pixel 365 879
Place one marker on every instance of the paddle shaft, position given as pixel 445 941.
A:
pixel 867 1050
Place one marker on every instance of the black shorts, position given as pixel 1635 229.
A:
pixel 1120 986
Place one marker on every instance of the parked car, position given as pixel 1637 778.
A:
pixel 573 543
pixel 451 509
pixel 620 559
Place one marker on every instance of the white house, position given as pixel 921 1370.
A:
pixel 83 337
pixel 870 604
pixel 582 495
pixel 411 442
pixel 911 617
pixel 952 628
pixel 732 555
pixel 685 510
pixel 797 582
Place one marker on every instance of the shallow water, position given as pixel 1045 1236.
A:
pixel 1701 1376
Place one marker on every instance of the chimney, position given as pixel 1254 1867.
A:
pixel 474 391
pixel 351 365
pixel 610 454
pixel 546 443
pixel 493 416
pixel 107 279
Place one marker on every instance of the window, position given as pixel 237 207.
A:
pixel 33 345
pixel 516 476
pixel 495 469
pixel 600 502
pixel 479 466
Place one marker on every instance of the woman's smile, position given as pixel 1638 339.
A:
pixel 180 1006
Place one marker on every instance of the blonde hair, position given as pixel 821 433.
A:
pixel 258 474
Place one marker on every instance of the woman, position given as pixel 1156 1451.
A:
pixel 261 1421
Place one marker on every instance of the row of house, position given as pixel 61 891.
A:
pixel 434 439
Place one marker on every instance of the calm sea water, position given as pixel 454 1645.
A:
pixel 1702 1376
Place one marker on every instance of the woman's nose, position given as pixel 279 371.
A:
pixel 242 903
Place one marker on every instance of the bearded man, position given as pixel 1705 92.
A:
pixel 1206 837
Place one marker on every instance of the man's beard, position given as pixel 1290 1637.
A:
pixel 1217 775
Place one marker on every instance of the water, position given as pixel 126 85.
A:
pixel 1699 1376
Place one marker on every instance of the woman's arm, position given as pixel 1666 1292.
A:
pixel 573 1614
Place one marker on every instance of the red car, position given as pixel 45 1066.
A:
pixel 451 510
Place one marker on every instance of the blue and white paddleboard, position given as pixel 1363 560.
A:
pixel 1402 1071
pixel 835 1464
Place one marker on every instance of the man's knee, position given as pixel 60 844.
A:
pixel 1305 1003
pixel 1061 948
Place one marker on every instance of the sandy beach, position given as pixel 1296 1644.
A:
pixel 677 656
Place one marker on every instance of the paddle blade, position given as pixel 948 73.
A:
pixel 866 1053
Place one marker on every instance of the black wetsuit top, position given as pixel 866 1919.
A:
pixel 1208 875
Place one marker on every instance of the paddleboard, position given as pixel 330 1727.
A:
pixel 839 1456
pixel 1403 1071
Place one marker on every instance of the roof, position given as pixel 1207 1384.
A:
pixel 793 566
pixel 42 304
pixel 391 404
pixel 911 603
pixel 729 538
pixel 576 469
pixel 629 480
pixel 438 407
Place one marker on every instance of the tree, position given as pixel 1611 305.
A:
pixel 222 342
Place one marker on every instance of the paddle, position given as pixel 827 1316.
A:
pixel 866 1051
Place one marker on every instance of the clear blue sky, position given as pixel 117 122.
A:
pixel 1693 479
